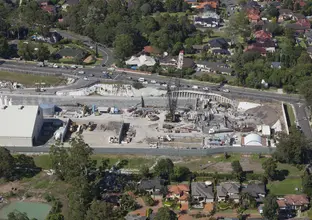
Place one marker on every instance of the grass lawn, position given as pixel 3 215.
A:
pixel 291 114
pixel 293 171
pixel 134 162
pixel 30 79
pixel 286 186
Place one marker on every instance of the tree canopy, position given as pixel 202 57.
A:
pixel 270 208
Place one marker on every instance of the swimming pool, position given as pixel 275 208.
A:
pixel 33 209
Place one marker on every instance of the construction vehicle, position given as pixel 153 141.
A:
pixel 91 126
pixel 73 127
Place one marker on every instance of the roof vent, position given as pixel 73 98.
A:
pixel 21 107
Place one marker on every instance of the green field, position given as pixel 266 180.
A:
pixel 287 186
pixel 134 162
pixel 30 79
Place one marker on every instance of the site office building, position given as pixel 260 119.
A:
pixel 20 125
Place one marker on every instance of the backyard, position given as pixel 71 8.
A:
pixel 287 186
pixel 30 79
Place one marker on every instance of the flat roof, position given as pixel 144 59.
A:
pixel 16 122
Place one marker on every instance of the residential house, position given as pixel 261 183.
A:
pixel 268 45
pixel 212 3
pixel 180 192
pixel 200 48
pixel 53 37
pixel 285 14
pixel 218 43
pixel 309 50
pixel 192 3
pixel 230 5
pixel 170 61
pixel 301 26
pixel 202 193
pixel 308 36
pixel 257 191
pixel 227 191
pixel 214 67
pixel 206 22
pixel 294 202
pixel 276 65
pixel 253 15
pixel 71 53
pixel 298 16
pixel 209 14
pixel 69 3
pixel 152 186
pixel 221 52
pixel 151 50
pixel 262 35
pixel 141 61
pixel 51 9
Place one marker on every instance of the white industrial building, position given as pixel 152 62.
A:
pixel 20 125
pixel 254 140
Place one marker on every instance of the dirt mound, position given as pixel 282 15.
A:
pixel 267 114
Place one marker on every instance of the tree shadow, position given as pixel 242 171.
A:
pixel 281 174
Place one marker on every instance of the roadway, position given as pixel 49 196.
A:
pixel 156 152
pixel 235 92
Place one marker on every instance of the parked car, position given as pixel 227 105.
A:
pixel 226 90
pixel 55 66
pixel 141 79
pixel 81 72
pixel 153 81
pixel 206 89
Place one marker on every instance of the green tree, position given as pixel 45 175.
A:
pixel 164 213
pixel 4 48
pixel 239 25
pixel 127 203
pixel 144 171
pixel 42 52
pixel 18 216
pixel 306 91
pixel 307 183
pixel 26 50
pixel 164 168
pixel 55 216
pixel 293 148
pixel 124 46
pixel 73 161
pixel 181 173
pixel 237 169
pixel 270 207
pixel 174 5
pixel 99 210
pixel 269 167
pixel 7 164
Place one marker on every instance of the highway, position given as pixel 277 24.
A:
pixel 156 152
pixel 235 92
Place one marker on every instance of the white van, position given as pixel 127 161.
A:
pixel 141 79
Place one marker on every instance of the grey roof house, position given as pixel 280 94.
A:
pixel 214 67
pixel 228 191
pixel 201 193
pixel 276 65
pixel 153 186
pixel 218 43
pixel 257 191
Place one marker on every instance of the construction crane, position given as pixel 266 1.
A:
pixel 173 87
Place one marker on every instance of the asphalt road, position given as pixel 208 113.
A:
pixel 156 152
pixel 235 92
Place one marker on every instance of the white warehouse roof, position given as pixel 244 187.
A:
pixel 17 121
pixel 253 140
pixel 141 60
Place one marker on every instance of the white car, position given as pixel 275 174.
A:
pixel 194 87
pixel 81 72
pixel 141 79
pixel 55 66
pixel 206 89
pixel 85 78
pixel 226 90
pixel 73 66
pixel 145 82
pixel 173 86
pixel 153 81
pixel 164 85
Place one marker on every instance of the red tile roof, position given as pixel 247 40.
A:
pixel 297 200
pixel 281 203
pixel 150 49
pixel 262 34
pixel 304 23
